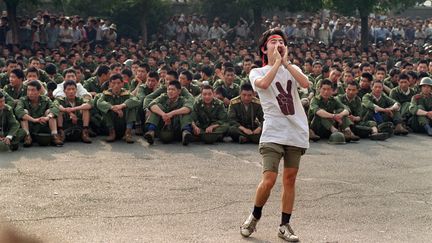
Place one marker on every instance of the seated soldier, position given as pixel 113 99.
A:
pixel 362 128
pixel 329 115
pixel 70 74
pixel 73 113
pixel 381 108
pixel 170 114
pixel 185 79
pixel 231 89
pixel 119 110
pixel 421 108
pixel 209 116
pixel 10 131
pixel 16 88
pixel 33 110
pixel 246 116
pixel 403 94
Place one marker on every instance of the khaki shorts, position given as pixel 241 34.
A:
pixel 273 152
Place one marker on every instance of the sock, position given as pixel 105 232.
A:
pixel 257 211
pixel 188 128
pixel 54 132
pixel 129 125
pixel 285 218
pixel 27 131
pixel 151 127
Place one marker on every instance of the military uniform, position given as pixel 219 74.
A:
pixel 173 131
pixel 4 79
pixel 57 78
pixel 16 94
pixel 10 127
pixel 205 116
pixel 162 90
pixel 24 106
pixel 92 85
pixel 369 102
pixel 250 117
pixel 231 91
pixel 194 89
pixel 112 121
pixel 423 102
pixel 8 99
pixel 404 99
pixel 322 126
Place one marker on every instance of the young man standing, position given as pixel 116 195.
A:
pixel 285 130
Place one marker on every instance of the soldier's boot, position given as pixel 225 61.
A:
pixel 14 147
pixel 61 133
pixel 186 137
pixel 313 136
pixel 128 136
pixel 28 141
pixel 347 135
pixel 111 136
pixel 56 140
pixel 138 130
pixel 352 136
pixel 85 137
pixel 242 139
pixel 149 136
pixel 428 129
pixel 400 130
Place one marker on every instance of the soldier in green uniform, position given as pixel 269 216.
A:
pixel 140 77
pixel 334 77
pixel 209 116
pixel 72 112
pixel 151 84
pixel 185 79
pixel 365 84
pixel 4 77
pixel 170 115
pixel 381 108
pixel 94 85
pixel 35 63
pixel 53 75
pixel 33 110
pixel 392 80
pixel 10 132
pixel 245 115
pixel 316 74
pixel 231 89
pixel 403 94
pixel 421 108
pixel 329 115
pixel 362 128
pixel 16 88
pixel 118 107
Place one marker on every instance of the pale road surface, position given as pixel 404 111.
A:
pixel 363 192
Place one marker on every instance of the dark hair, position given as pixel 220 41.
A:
pixel 153 74
pixel 175 83
pixel 145 66
pixel 69 70
pixel 413 74
pixel 377 82
pixel 32 70
pixel 114 65
pixel 326 82
pixel 368 76
pixel 207 70
pixel 116 76
pixel 380 69
pixel 35 83
pixel 353 84
pixel 188 75
pixel 11 61
pixel 51 69
pixel 403 76
pixel 127 72
pixel 394 71
pixel 102 69
pixel 229 69
pixel 51 86
pixel 246 87
pixel 363 65
pixel 173 73
pixel 18 72
pixel 34 59
pixel 69 83
pixel 263 41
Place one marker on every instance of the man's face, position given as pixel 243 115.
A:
pixel 116 85
pixel 422 67
pixel 12 66
pixel 116 70
pixel 275 43
pixel 404 84
pixel 334 76
pixel 152 83
pixel 316 69
pixel 377 89
pixel 172 92
pixel 351 91
pixel 426 89
pixel 365 83
pixel 14 80
pixel 183 80
pixel 32 76
pixel 367 70
pixel 32 93
pixel 326 91
pixel 207 95
pixel 247 66
pixel 141 73
pixel 229 77
pixel 380 75
pixel 70 92
pixel 71 76
pixel 134 69
pixel 348 77
pixel 169 78
pixel 34 63
pixel 246 96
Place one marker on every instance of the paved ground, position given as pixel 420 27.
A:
pixel 370 191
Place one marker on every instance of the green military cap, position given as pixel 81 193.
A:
pixel 426 81
pixel 43 139
pixel 3 147
pixel 336 138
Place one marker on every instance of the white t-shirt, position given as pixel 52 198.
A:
pixel 285 120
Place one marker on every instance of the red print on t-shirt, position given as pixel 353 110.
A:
pixel 285 99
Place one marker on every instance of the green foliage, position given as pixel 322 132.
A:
pixel 364 7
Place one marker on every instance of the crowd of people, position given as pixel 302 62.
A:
pixel 69 78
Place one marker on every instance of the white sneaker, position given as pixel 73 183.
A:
pixel 249 226
pixel 285 232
